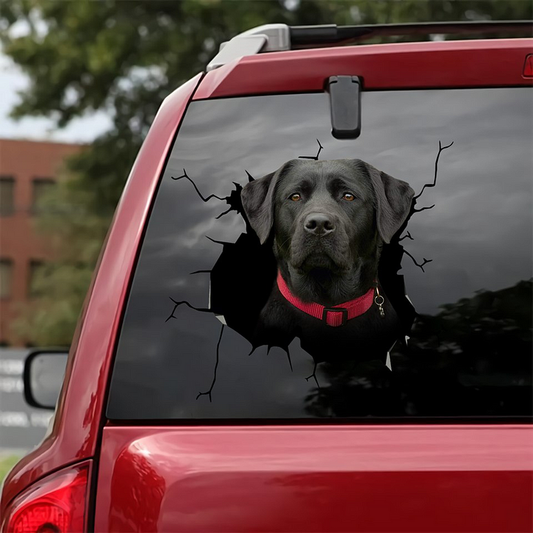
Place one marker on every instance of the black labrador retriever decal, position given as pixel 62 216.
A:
pixel 328 221
pixel 319 261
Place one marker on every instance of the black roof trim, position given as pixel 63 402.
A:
pixel 308 36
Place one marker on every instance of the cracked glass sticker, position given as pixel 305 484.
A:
pixel 322 253
pixel 286 274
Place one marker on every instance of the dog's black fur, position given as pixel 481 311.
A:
pixel 327 241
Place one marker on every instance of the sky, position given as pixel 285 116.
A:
pixel 14 81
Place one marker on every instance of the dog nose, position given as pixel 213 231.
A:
pixel 319 224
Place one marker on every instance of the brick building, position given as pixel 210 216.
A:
pixel 27 170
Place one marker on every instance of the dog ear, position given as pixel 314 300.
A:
pixel 394 199
pixel 257 201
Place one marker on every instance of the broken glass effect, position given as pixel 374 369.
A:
pixel 469 350
pixel 250 264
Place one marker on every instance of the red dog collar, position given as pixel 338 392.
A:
pixel 334 316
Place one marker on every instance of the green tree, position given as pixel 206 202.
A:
pixel 124 57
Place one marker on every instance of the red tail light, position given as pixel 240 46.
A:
pixel 54 505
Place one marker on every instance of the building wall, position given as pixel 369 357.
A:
pixel 20 239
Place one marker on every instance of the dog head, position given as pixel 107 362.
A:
pixel 328 217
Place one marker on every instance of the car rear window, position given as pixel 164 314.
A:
pixel 188 347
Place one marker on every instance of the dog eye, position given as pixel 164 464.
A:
pixel 348 196
pixel 296 197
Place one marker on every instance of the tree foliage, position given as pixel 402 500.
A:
pixel 124 57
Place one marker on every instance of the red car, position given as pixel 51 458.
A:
pixel 336 421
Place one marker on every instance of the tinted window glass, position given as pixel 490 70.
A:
pixel 7 188
pixel 6 275
pixel 191 320
pixel 41 187
pixel 36 276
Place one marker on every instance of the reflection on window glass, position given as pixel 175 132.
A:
pixel 6 274
pixel 7 200
pixel 287 274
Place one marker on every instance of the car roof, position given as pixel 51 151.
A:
pixel 281 37
pixel 392 66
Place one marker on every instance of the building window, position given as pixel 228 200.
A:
pixel 6 274
pixel 34 282
pixel 40 190
pixel 7 199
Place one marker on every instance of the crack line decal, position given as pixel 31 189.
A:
pixel 331 318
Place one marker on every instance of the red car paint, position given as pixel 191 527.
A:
pixel 279 478
pixel 78 419
pixel 373 478
pixel 452 64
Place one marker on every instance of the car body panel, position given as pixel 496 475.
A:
pixel 316 478
pixel 78 418
pixel 448 64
